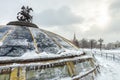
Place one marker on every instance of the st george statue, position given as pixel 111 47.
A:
pixel 24 14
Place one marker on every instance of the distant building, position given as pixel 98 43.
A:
pixel 75 41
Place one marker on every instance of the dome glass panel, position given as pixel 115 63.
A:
pixel 17 40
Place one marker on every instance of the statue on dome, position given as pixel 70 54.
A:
pixel 24 14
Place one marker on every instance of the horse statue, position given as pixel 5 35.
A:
pixel 24 14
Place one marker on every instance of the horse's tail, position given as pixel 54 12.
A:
pixel 18 18
pixel 18 13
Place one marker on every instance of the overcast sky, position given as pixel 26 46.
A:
pixel 87 18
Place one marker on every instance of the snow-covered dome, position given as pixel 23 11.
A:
pixel 30 53
pixel 17 39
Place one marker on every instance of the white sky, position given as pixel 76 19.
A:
pixel 87 18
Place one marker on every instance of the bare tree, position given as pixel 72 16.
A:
pixel 92 43
pixel 84 43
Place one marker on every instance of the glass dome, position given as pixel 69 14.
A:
pixel 30 53
pixel 17 40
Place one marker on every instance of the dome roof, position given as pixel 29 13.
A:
pixel 25 49
pixel 16 40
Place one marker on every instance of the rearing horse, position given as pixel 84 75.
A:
pixel 24 15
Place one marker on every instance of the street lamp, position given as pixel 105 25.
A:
pixel 100 41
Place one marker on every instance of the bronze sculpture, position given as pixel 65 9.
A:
pixel 24 14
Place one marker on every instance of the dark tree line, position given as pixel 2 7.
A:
pixel 113 45
pixel 92 43
pixel 84 43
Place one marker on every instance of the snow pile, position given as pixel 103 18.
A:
pixel 34 55
pixel 61 53
pixel 28 55
pixel 68 52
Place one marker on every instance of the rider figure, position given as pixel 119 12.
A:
pixel 24 15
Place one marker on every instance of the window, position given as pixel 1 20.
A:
pixel 54 73
pixel 3 31
pixel 60 40
pixel 17 42
pixel 44 43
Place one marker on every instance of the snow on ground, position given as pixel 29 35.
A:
pixel 110 70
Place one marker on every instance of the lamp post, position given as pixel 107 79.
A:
pixel 100 41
